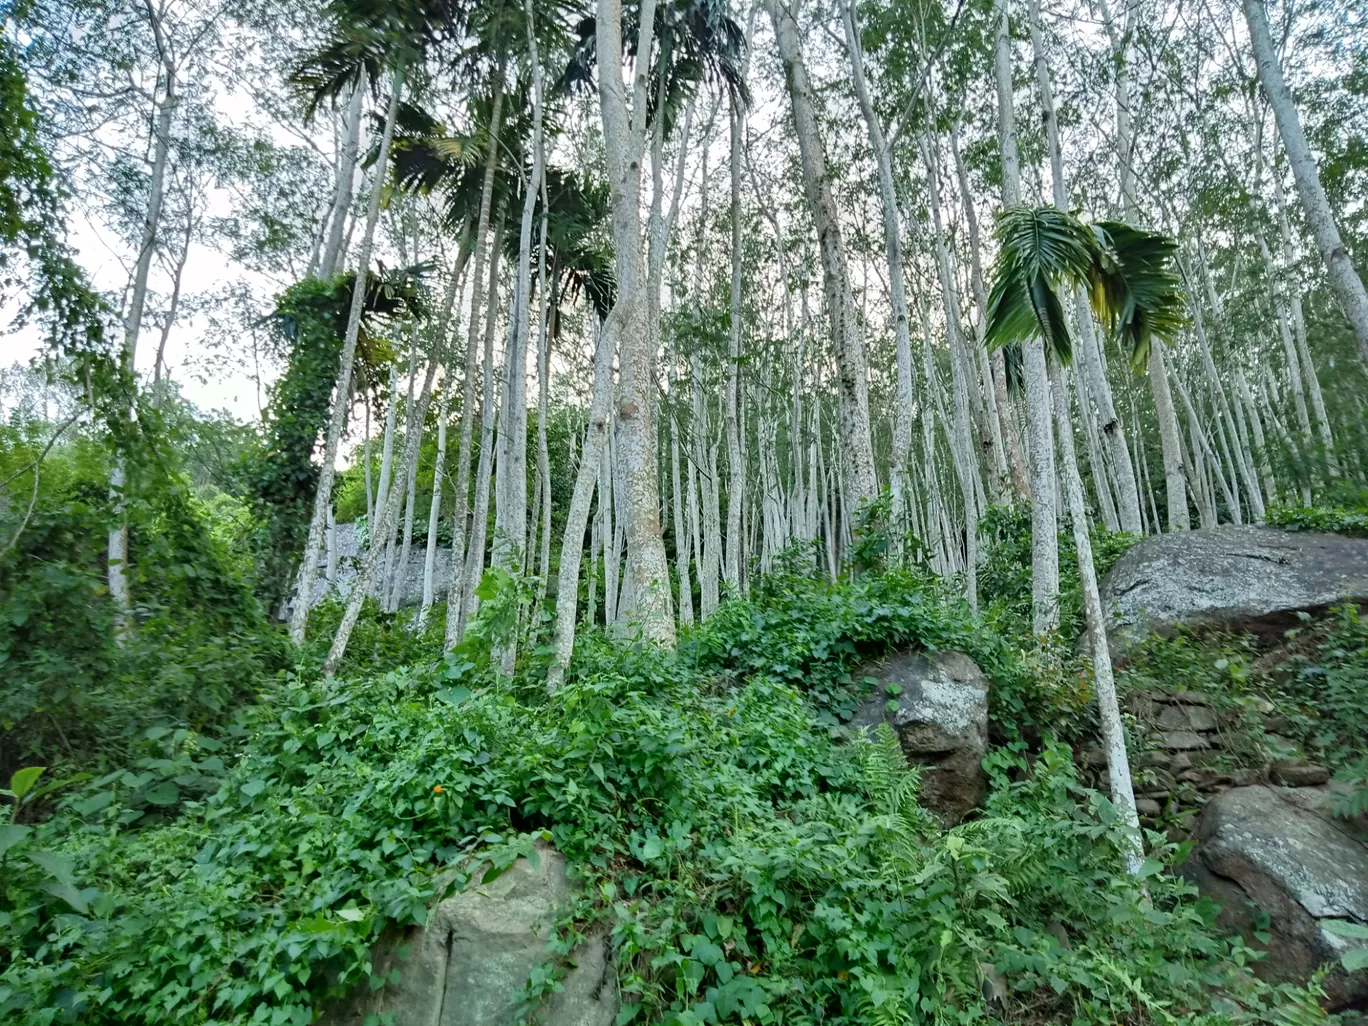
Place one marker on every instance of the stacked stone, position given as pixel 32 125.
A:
pixel 1189 738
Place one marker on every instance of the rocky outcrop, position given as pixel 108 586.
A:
pixel 470 964
pixel 937 705
pixel 1239 578
pixel 1281 851
pixel 335 574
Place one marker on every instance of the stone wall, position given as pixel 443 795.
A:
pixel 1196 749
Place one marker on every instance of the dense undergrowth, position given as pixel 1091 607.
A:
pixel 1304 698
pixel 750 863
pixel 221 836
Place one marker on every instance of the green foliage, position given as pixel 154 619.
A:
pixel 1317 679
pixel 1323 686
pixel 1326 519
pixel 1127 271
pixel 32 227
pixel 815 634
pixel 282 477
pixel 1004 575
pixel 70 691
pixel 747 863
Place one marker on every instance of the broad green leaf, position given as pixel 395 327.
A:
pixel 1344 928
pixel 254 787
pixel 10 835
pixel 1355 960
pixel 23 780
pixel 165 793
pixel 652 849
pixel 68 893
pixel 454 696
pixel 351 915
pixel 93 804
pixel 55 865
pixel 1148 868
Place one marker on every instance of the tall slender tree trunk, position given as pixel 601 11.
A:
pixel 736 483
pixel 439 470
pixel 342 391
pixel 624 143
pixel 1108 709
pixel 117 561
pixel 1008 463
pixel 897 283
pixel 455 619
pixel 395 564
pixel 474 562
pixel 577 516
pixel 1128 498
pixel 1044 543
pixel 962 446
pixel 1343 276
pixel 346 175
pixel 510 510
pixel 370 563
pixel 847 341
pixel 1294 299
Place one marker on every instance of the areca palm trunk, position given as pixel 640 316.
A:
pixel 346 173
pixel 848 343
pixel 1044 543
pixel 439 470
pixel 1343 276
pixel 510 537
pixel 1007 459
pixel 370 563
pixel 966 463
pixel 736 484
pixel 1313 386
pixel 117 552
pixel 1108 709
pixel 1241 458
pixel 1128 498
pixel 299 618
pixel 394 561
pixel 474 561
pixel 455 622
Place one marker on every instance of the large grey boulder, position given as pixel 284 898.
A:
pixel 469 965
pixel 346 553
pixel 937 705
pixel 1281 851
pixel 1239 578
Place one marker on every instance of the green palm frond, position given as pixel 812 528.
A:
pixel 366 36
pixel 698 44
pixel 1135 288
pixel 1128 272
pixel 1041 248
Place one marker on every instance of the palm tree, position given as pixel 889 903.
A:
pixel 1128 273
